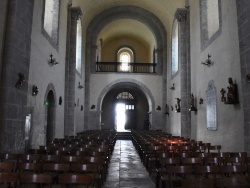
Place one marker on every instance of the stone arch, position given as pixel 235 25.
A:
pixel 50 112
pixel 136 83
pixel 52 88
pixel 115 13
pixel 144 103
pixel 130 12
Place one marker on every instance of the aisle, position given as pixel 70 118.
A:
pixel 126 169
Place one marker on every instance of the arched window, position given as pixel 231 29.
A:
pixel 175 48
pixel 125 56
pixel 51 20
pixel 79 46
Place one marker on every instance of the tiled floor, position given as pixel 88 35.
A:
pixel 126 169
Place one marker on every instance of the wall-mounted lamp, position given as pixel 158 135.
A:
pixel 158 108
pixel 81 107
pixel 80 86
pixel 177 106
pixel 34 90
pixel 192 103
pixel 201 101
pixel 20 81
pixel 208 62
pixel 92 106
pixel 52 61
pixel 172 88
pixel 248 78
pixel 232 93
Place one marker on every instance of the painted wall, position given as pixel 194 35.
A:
pixel 224 52
pixel 42 74
pixel 142 53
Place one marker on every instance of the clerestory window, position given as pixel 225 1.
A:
pixel 79 46
pixel 210 15
pixel 175 48
pixel 51 20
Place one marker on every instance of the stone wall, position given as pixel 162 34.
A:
pixel 243 13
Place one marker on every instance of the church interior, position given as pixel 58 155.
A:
pixel 129 74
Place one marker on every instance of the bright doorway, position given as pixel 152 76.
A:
pixel 120 118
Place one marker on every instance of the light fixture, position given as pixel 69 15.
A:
pixel 92 106
pixel 208 62
pixel 158 108
pixel 52 61
pixel 80 86
pixel 172 88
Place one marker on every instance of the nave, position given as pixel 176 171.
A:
pixel 126 169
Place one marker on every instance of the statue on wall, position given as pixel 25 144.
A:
pixel 232 94
pixel 177 106
pixel 192 103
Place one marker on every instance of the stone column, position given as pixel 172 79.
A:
pixel 243 8
pixel 182 16
pixel 16 61
pixel 74 14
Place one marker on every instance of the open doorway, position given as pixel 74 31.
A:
pixel 120 117
pixel 50 104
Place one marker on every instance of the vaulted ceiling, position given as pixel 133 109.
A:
pixel 163 9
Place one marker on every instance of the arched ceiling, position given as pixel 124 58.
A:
pixel 127 28
pixel 163 9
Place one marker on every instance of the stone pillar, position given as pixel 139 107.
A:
pixel 182 16
pixel 243 8
pixel 74 14
pixel 16 61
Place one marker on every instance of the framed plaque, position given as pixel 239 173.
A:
pixel 211 106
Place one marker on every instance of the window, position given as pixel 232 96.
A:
pixel 79 46
pixel 124 59
pixel 210 14
pixel 51 20
pixel 125 95
pixel 175 48
pixel 125 56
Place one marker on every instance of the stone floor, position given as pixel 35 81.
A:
pixel 126 169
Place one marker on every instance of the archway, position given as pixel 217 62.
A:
pixel 133 104
pixel 106 17
pixel 50 104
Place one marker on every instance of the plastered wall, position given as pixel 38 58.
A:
pixel 42 74
pixel 224 51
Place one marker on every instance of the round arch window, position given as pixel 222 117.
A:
pixel 125 56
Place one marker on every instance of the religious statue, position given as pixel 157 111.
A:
pixel 177 106
pixel 192 100
pixel 223 98
pixel 192 103
pixel 232 91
